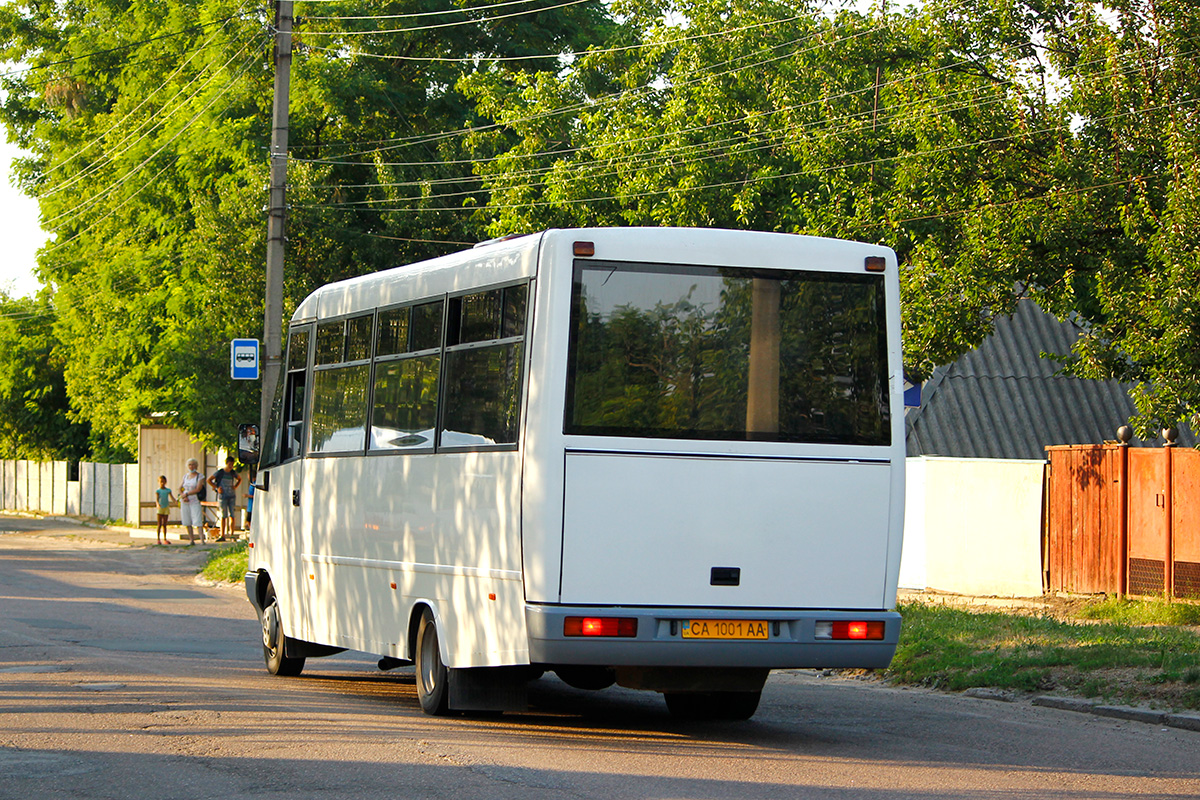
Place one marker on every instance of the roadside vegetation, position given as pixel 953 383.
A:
pixel 227 564
pixel 1134 652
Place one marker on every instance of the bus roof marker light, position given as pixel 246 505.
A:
pixel 875 263
pixel 585 248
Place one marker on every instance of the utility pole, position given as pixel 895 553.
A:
pixel 276 212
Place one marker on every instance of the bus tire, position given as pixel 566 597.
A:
pixel 432 675
pixel 712 705
pixel 274 641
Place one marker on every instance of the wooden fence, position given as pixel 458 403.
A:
pixel 1123 520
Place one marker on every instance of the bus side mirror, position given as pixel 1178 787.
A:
pixel 248 444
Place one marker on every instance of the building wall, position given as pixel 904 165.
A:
pixel 974 526
pixel 164 451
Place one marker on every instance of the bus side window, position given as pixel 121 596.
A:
pixel 341 371
pixel 407 367
pixel 295 395
pixel 484 348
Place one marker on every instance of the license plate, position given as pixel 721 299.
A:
pixel 724 629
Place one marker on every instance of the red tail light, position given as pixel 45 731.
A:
pixel 849 629
pixel 600 626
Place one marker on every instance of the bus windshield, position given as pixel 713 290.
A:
pixel 686 352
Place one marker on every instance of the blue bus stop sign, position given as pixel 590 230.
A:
pixel 912 395
pixel 243 359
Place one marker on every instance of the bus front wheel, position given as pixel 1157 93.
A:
pixel 712 705
pixel 274 640
pixel 432 675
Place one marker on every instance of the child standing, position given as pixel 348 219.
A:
pixel 165 498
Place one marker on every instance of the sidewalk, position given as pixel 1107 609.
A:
pixel 111 534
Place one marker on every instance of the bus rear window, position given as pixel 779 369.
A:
pixel 684 352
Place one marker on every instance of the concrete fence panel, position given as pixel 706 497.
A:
pixel 21 486
pixel 103 507
pixel 116 492
pixel 59 478
pixel 10 484
pixel 974 526
pixel 87 489
pixel 46 487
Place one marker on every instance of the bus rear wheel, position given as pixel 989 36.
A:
pixel 273 639
pixel 432 675
pixel 712 705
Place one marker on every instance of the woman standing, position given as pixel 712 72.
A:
pixel 189 501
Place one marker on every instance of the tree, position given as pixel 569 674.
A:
pixel 35 420
pixel 149 121
pixel 1003 148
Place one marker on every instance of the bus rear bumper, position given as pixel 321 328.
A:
pixel 794 639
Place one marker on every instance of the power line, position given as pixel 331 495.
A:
pixel 739 182
pixel 109 156
pixel 568 55
pixel 119 48
pixel 139 167
pixel 419 14
pixel 457 24
pixel 96 197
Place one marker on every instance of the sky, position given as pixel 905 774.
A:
pixel 22 236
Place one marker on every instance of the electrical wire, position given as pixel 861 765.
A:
pixel 443 25
pixel 110 156
pixel 131 173
pixel 739 182
pixel 419 14
pixel 119 48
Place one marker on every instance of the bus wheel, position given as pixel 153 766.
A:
pixel 273 639
pixel 712 705
pixel 432 675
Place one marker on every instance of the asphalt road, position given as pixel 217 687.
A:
pixel 120 677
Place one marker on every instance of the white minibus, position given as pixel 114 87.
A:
pixel 670 459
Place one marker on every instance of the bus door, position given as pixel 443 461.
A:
pixel 288 524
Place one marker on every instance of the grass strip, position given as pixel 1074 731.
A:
pixel 956 649
pixel 227 564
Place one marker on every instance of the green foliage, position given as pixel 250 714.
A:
pixel 35 420
pixel 1004 148
pixel 957 649
pixel 149 125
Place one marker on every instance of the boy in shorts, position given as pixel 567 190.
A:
pixel 226 482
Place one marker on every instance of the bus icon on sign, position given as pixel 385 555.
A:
pixel 243 359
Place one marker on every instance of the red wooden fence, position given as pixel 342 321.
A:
pixel 1123 520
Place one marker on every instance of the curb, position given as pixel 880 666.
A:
pixel 1188 722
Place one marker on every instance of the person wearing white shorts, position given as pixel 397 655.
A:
pixel 189 501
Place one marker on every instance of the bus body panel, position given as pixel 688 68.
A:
pixel 651 530
pixel 443 528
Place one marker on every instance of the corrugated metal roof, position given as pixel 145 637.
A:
pixel 1003 400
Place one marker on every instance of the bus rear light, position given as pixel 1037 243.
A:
pixel 600 626
pixel 875 264
pixel 852 629
pixel 584 248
